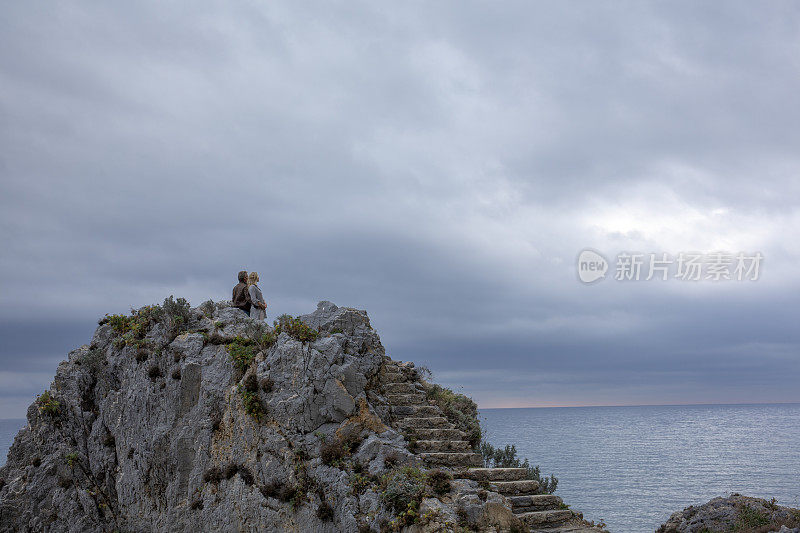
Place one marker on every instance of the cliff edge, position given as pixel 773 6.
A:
pixel 200 419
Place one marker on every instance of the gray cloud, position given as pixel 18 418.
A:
pixel 439 165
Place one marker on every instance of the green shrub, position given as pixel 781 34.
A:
pixel 295 328
pixel 360 482
pixel 267 340
pixel 47 404
pixel 178 313
pixel 507 458
pixel 252 403
pixel 403 488
pixel 93 360
pixel 133 329
pixel 750 518
pixel 460 410
pixel 242 352
pixel 71 458
pixel 208 308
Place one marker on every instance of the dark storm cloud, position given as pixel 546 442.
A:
pixel 440 165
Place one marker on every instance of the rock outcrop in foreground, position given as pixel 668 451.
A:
pixel 738 513
pixel 200 419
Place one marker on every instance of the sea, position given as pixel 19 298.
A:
pixel 631 467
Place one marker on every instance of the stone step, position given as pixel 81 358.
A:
pixel 514 488
pixel 422 423
pixel 416 411
pixel 435 434
pixel 497 474
pixel 400 388
pixel 454 459
pixel 393 377
pixel 571 526
pixel 443 446
pixel 535 502
pixel 541 518
pixel 407 399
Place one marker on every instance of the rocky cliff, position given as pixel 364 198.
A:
pixel 738 513
pixel 200 419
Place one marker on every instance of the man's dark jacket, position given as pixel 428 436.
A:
pixel 241 297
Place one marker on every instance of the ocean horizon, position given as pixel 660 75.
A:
pixel 633 466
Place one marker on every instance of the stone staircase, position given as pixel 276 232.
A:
pixel 440 444
pixel 433 438
pixel 540 512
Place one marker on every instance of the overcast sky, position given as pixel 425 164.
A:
pixel 440 165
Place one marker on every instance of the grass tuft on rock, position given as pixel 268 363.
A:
pixel 295 328
pixel 402 490
pixel 242 352
pixel 252 403
pixel 47 404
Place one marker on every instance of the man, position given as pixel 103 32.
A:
pixel 241 296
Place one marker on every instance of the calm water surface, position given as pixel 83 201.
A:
pixel 634 466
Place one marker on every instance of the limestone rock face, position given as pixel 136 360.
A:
pixel 155 428
pixel 734 513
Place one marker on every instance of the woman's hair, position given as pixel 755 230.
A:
pixel 252 278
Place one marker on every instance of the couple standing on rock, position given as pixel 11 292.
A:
pixel 247 296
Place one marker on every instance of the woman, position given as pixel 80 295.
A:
pixel 259 306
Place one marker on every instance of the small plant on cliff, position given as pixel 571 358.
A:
pixel 267 340
pixel 403 489
pixel 296 328
pixel 207 308
pixel 178 313
pixel 47 404
pixel 333 452
pixel 749 518
pixel 461 410
pixel 93 360
pixel 360 482
pixel 135 327
pixel 439 481
pixel 507 458
pixel 71 459
pixel 242 352
pixel 252 403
